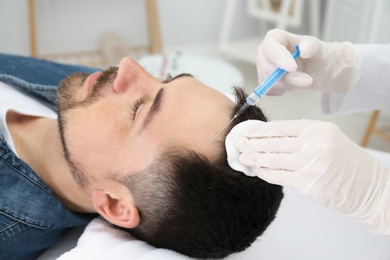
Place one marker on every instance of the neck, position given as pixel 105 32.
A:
pixel 38 143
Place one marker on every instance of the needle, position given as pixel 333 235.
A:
pixel 222 129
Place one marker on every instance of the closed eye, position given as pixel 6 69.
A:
pixel 135 107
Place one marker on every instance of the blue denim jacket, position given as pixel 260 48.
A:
pixel 32 218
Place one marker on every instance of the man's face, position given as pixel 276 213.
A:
pixel 118 121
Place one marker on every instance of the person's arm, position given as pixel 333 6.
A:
pixel 372 91
pixel 318 160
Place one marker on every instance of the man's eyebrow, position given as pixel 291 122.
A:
pixel 159 99
pixel 178 76
pixel 154 108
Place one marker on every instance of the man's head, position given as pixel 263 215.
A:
pixel 128 116
pixel 139 145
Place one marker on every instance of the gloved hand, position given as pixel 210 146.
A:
pixel 327 67
pixel 317 159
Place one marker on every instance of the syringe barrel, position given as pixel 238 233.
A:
pixel 269 82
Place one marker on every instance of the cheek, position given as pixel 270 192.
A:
pixel 85 138
pixel 106 148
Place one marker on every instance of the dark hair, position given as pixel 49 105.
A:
pixel 200 208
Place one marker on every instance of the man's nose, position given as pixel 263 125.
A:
pixel 130 73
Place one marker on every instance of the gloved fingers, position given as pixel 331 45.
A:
pixel 291 81
pixel 272 161
pixel 312 49
pixel 284 178
pixel 282 128
pixel 298 79
pixel 280 169
pixel 267 145
pixel 276 54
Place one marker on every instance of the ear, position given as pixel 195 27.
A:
pixel 115 210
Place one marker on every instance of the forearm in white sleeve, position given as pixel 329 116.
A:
pixel 372 92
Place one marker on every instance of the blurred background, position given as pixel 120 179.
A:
pixel 217 39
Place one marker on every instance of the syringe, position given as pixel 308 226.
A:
pixel 261 90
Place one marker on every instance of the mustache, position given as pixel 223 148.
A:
pixel 65 94
pixel 106 77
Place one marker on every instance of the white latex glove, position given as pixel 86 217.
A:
pixel 317 159
pixel 327 67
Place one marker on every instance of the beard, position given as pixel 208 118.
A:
pixel 67 100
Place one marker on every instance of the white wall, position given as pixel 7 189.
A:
pixel 383 34
pixel 358 21
pixel 14 26
pixel 75 25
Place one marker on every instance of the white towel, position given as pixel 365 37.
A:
pixel 102 241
